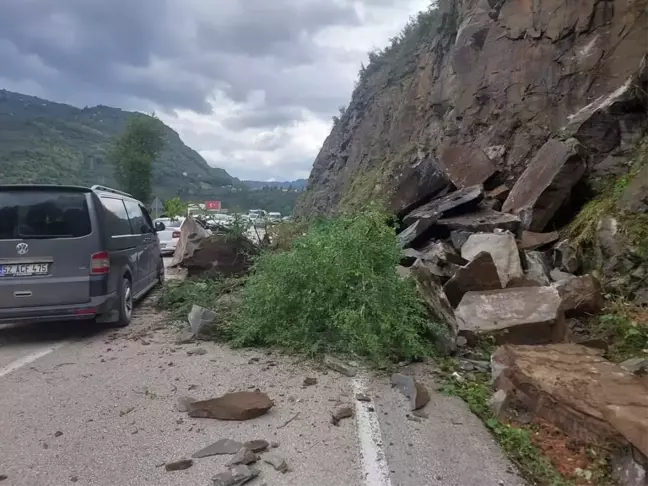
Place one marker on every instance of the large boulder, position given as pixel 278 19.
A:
pixel 225 255
pixel 546 183
pixel 525 315
pixel 502 247
pixel 191 234
pixel 574 388
pixel 484 219
pixel 478 274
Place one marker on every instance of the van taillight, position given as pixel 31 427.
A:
pixel 99 263
pixel 176 234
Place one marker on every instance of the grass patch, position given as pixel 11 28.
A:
pixel 626 326
pixel 335 290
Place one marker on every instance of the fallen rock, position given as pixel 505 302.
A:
pixel 182 404
pixel 191 234
pixel 277 462
pixel 186 336
pixel 566 257
pixel 627 469
pixel 258 445
pixel 478 274
pixel 244 405
pixel 635 196
pixel 180 465
pixel 459 238
pixel 437 303
pixel 415 391
pixel 416 230
pixel 524 315
pixel 220 255
pixel 3 477
pixel 361 397
pixel 466 166
pixel 537 267
pixel 410 255
pixel 581 295
pixel 341 413
pixel 546 183
pixel 534 241
pixel 197 352
pixel 235 476
pixel 309 381
pixel 574 388
pixel 460 200
pixel 560 276
pixel 502 248
pixel 220 447
pixel 483 220
pixel 500 193
pixel 200 317
pixel 243 456
pixel 636 366
pixel 340 366
pixel 403 272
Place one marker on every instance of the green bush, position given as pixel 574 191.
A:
pixel 335 290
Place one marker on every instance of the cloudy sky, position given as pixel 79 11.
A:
pixel 250 84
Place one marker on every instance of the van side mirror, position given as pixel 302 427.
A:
pixel 159 226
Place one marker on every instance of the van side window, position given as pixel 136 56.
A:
pixel 147 219
pixel 116 216
pixel 137 221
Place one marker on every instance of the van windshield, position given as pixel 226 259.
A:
pixel 41 214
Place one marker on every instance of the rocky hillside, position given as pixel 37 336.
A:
pixel 42 141
pixel 472 89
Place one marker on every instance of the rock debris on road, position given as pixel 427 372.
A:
pixel 101 407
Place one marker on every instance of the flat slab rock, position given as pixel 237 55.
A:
pixel 524 315
pixel 463 199
pixel 220 447
pixel 466 166
pixel 576 389
pixel 244 405
pixel 484 219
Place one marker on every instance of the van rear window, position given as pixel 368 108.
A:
pixel 43 214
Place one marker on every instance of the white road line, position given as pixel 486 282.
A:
pixel 374 463
pixel 30 358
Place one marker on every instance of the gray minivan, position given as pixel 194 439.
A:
pixel 70 252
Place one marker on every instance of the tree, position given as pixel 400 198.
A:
pixel 174 208
pixel 133 153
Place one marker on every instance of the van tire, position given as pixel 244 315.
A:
pixel 161 273
pixel 125 310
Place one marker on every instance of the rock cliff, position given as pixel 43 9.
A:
pixel 470 92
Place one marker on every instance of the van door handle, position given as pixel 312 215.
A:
pixel 23 293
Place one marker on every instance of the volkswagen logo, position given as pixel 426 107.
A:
pixel 22 248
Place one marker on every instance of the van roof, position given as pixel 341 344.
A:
pixel 43 187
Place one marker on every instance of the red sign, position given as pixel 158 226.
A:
pixel 212 205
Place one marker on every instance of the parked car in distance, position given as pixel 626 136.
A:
pixel 274 216
pixel 168 233
pixel 69 252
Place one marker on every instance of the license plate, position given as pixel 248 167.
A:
pixel 24 269
pixel 162 245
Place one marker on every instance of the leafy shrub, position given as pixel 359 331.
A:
pixel 335 289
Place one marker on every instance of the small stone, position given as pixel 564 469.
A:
pixel 415 391
pixel 58 433
pixel 235 476
pixel 361 397
pixel 3 477
pixel 197 352
pixel 274 444
pixel 199 317
pixel 243 456
pixel 180 465
pixel 309 381
pixel 253 360
pixel 341 413
pixel 258 445
pixel 277 462
pixel 412 418
pixel 74 479
pixel 420 414
pixel 220 447
pixel 182 404
pixel 340 366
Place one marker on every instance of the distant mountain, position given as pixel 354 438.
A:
pixel 46 142
pixel 297 185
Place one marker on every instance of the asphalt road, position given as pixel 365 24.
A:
pixel 80 404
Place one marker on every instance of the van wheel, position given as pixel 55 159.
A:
pixel 161 272
pixel 125 304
